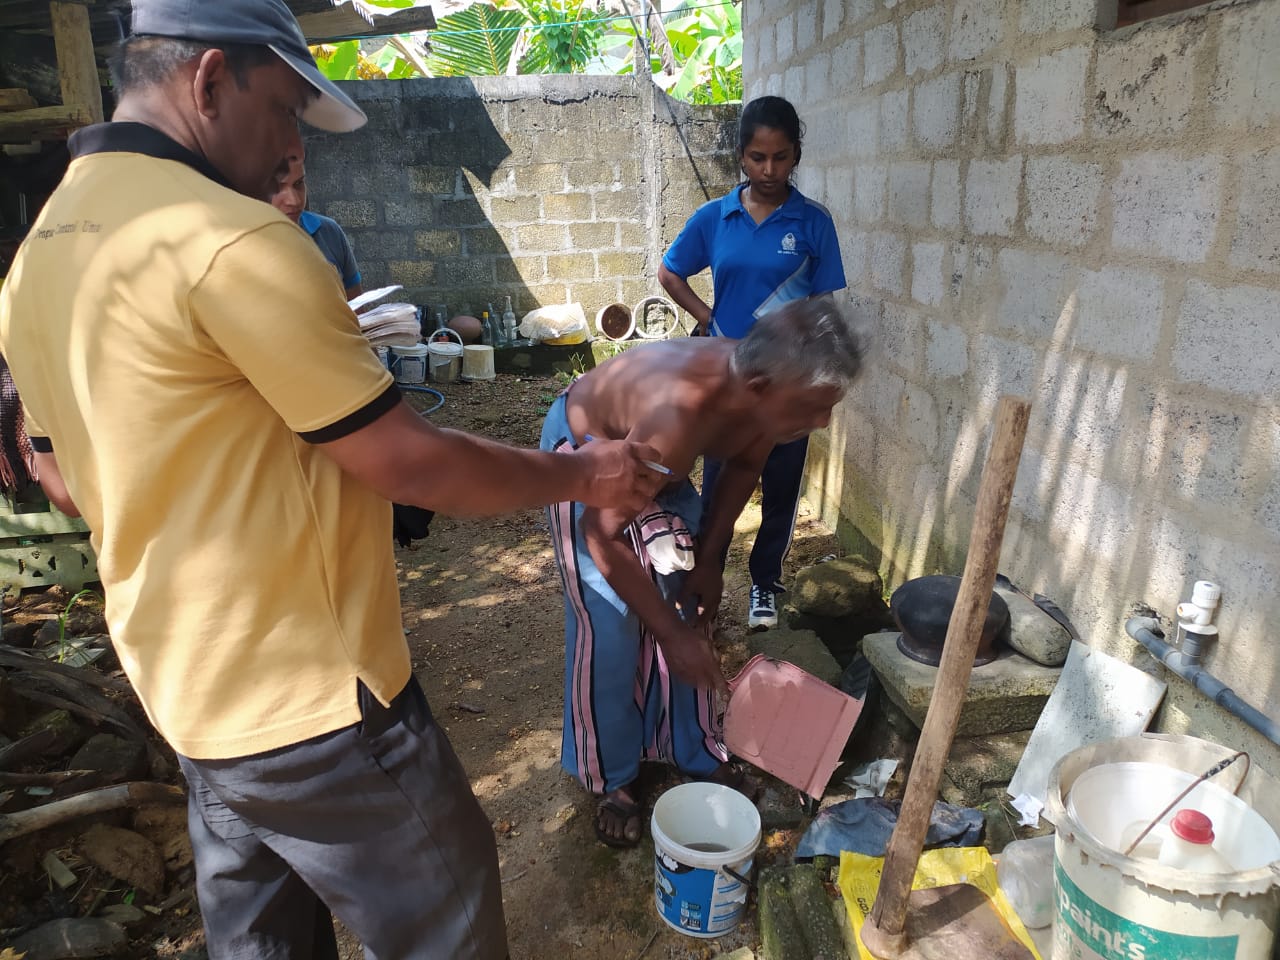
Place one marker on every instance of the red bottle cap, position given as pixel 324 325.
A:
pixel 1192 826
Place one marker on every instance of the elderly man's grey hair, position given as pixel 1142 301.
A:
pixel 808 342
pixel 141 61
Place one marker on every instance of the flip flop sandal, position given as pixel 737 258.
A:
pixel 624 812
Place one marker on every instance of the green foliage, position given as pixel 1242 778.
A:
pixel 475 42
pixel 62 622
pixel 564 36
pixel 708 41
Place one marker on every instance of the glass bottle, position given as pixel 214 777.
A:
pixel 508 321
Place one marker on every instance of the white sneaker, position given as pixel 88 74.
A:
pixel 762 612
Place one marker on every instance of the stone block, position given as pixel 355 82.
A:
pixel 1062 200
pixel 1032 632
pixel 806 23
pixel 991 195
pixel 839 198
pixel 1145 83
pixel 923 39
pixel 1246 84
pixel 869 192
pixel 1228 338
pixel 483 240
pixel 412 273
pixel 541 178
pixel 567 206
pixel 880 53
pixel 520 269
pixel 1037 287
pixel 381 244
pixel 571 266
pixel 899 337
pixel 1256 242
pixel 817 77
pixel 625 264
pixel 793 82
pixel 909 193
pixel 1119 313
pixel 455 213
pixel 1049 104
pixel 353 214
pixel 853 251
pixel 602 235
pixel 945 209
pixel 1003 696
pixel 976 27
pixel 517 209
pixel 936 114
pixel 548 237
pixel 784 39
pixel 471 271
pixel 631 233
pixel 894 124
pixel 376 182
pixel 920 418
pixel 946 351
pixel 1052 16
pixel 1003 366
pixel 842 587
pixel 928 285
pixel 888 256
pixel 832 17
pixel 864 128
pixel 617 204
pixel 591 174
pixel 1164 204
pixel 801 647
pixel 997 96
pixel 437 180
pixel 976 766
pixel 846 65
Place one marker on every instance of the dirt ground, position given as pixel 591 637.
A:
pixel 482 612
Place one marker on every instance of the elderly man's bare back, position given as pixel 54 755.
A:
pixel 680 397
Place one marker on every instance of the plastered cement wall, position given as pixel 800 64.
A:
pixel 547 189
pixel 1088 218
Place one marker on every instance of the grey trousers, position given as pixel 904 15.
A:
pixel 375 822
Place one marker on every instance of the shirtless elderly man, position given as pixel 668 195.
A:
pixel 642 591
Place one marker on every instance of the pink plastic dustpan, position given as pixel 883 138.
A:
pixel 788 723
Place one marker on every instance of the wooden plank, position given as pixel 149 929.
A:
pixel 15 98
pixel 42 123
pixel 349 20
pixel 1135 11
pixel 77 63
pixel 40 524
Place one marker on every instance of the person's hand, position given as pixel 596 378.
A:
pixel 615 476
pixel 692 658
pixel 700 593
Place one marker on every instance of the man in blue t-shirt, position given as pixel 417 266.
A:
pixel 290 199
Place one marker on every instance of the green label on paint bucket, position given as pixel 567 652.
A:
pixel 1100 934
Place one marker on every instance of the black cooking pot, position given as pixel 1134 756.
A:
pixel 922 610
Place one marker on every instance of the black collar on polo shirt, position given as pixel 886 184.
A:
pixel 127 136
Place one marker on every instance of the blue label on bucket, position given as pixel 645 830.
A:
pixel 1086 930
pixel 701 901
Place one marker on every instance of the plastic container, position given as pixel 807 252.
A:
pixel 1025 874
pixel 705 837
pixel 445 356
pixel 477 362
pixel 615 322
pixel 1127 908
pixel 649 321
pixel 409 363
pixel 1189 845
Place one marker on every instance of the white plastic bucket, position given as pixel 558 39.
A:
pixel 477 362
pixel 614 321
pixel 409 363
pixel 444 357
pixel 1131 908
pixel 703 834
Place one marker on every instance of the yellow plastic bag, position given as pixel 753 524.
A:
pixel 860 879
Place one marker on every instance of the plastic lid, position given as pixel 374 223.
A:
pixel 1206 593
pixel 1192 826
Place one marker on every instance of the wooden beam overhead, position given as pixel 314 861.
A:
pixel 77 64
pixel 15 98
pixel 42 123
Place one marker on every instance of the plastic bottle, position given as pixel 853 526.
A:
pixel 508 322
pixel 486 330
pixel 1025 874
pixel 1189 845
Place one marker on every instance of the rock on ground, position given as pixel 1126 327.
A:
pixel 70 939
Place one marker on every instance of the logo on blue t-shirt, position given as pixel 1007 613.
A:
pixel 789 244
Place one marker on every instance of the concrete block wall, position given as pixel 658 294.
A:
pixel 1029 202
pixel 544 189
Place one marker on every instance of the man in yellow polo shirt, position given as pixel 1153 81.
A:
pixel 240 505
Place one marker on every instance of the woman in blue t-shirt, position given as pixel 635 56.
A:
pixel 766 244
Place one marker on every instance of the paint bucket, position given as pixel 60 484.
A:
pixel 444 356
pixel 477 362
pixel 409 363
pixel 704 837
pixel 1133 908
pixel 615 322
pixel 655 318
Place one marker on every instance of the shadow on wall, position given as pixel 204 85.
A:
pixel 1098 547
pixel 410 191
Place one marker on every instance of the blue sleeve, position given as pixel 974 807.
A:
pixel 691 251
pixel 351 271
pixel 828 275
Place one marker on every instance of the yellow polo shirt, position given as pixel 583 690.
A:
pixel 182 348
